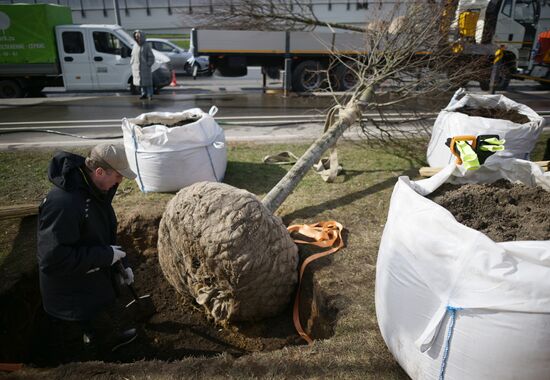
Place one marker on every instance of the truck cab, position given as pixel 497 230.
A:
pixel 93 57
pixel 516 28
pixel 511 26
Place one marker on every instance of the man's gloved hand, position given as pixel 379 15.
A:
pixel 117 253
pixel 127 279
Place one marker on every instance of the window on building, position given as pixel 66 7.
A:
pixel 73 42
pixel 362 5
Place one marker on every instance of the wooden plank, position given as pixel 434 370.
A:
pixel 18 211
pixel 429 171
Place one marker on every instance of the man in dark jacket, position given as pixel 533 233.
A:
pixel 77 238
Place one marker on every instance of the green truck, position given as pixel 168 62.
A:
pixel 40 46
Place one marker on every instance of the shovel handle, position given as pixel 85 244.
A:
pixel 122 271
pixel 134 294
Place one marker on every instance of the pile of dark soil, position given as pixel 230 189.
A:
pixel 495 113
pixel 176 124
pixel 178 329
pixel 502 210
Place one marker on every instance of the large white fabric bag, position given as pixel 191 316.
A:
pixel 450 302
pixel 170 158
pixel 520 138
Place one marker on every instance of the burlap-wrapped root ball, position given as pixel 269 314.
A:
pixel 226 249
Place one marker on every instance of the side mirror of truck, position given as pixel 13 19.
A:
pixel 125 52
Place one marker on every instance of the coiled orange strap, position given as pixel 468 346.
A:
pixel 324 235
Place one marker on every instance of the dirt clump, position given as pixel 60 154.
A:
pixel 138 230
pixel 495 113
pixel 222 245
pixel 502 210
pixel 176 124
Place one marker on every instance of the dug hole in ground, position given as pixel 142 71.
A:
pixel 178 329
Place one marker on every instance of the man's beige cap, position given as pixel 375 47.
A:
pixel 115 157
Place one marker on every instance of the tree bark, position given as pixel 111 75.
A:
pixel 346 118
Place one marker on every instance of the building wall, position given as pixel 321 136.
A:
pixel 178 16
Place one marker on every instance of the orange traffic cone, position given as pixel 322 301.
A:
pixel 173 83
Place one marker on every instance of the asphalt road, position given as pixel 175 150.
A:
pixel 246 112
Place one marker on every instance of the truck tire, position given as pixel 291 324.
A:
pixel 35 92
pixel 501 74
pixel 272 72
pixel 307 76
pixel 484 84
pixel 188 69
pixel 10 89
pixel 502 79
pixel 226 71
pixel 347 78
pixel 545 85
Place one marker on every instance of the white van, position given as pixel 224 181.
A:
pixel 97 57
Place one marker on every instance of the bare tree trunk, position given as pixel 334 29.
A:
pixel 346 118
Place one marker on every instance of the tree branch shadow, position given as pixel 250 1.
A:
pixel 310 211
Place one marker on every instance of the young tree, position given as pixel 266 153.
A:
pixel 408 61
pixel 227 249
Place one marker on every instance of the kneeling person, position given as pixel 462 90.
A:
pixel 77 251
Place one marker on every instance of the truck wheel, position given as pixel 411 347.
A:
pixel 188 69
pixel 501 79
pixel 307 76
pixel 10 89
pixel 545 85
pixel 226 71
pixel 272 72
pixel 35 92
pixel 347 78
pixel 484 85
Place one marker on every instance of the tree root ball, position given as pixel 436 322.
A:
pixel 225 248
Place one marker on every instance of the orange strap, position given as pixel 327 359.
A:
pixel 10 367
pixel 324 235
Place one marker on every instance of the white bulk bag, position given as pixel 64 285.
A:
pixel 170 158
pixel 450 302
pixel 520 138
